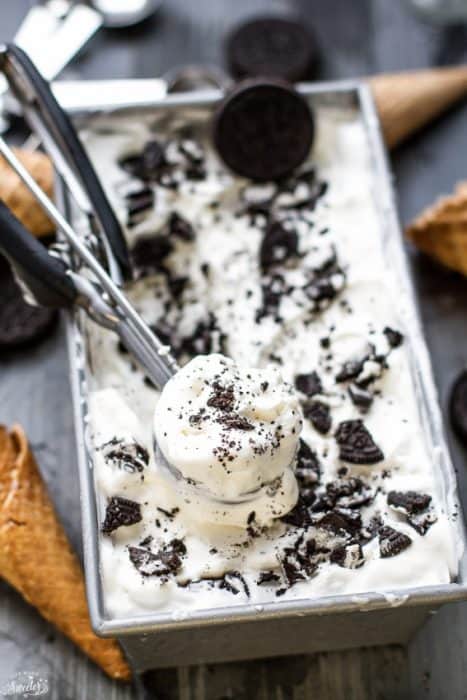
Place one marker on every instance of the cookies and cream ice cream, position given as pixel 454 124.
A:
pixel 232 434
pixel 298 274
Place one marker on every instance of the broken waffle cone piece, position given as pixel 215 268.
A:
pixel 36 557
pixel 408 101
pixel 18 198
pixel 441 230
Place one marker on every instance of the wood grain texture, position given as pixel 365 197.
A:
pixel 361 37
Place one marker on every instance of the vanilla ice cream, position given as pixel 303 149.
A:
pixel 296 274
pixel 232 433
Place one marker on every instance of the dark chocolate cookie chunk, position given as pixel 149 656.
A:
pixel 395 338
pixel 362 398
pixel 308 468
pixel 180 227
pixel 263 130
pixel 356 444
pixel 280 47
pixel 120 511
pixel 392 542
pixel 411 502
pixel 235 583
pixel 278 245
pixel 129 456
pixel 149 252
pixel 139 203
pixel 147 164
pixel 350 370
pixel 348 556
pixel 168 560
pixel 458 407
pixel 21 324
pixel 319 414
pixel 341 520
pixel 309 384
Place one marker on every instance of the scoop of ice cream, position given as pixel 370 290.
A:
pixel 232 432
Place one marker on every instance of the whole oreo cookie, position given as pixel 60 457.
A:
pixel 21 324
pixel 274 47
pixel 458 407
pixel 263 129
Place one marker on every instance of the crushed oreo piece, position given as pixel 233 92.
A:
pixel 299 516
pixel 362 398
pixel 414 506
pixel 234 421
pixel 356 444
pixel 138 204
pixel 278 245
pixel 152 158
pixel 129 456
pixel 394 338
pixel 341 520
pixel 323 289
pixel 234 582
pixel 149 252
pixel 297 562
pixel 319 414
pixel 308 468
pixel 309 384
pixel 180 227
pixel 410 502
pixel 349 370
pixel 421 522
pixel 222 398
pixel 119 512
pixel 146 165
pixel 392 542
pixel 266 577
pixel 273 288
pixel 166 561
pixel 349 556
pixel 349 493
pixel 206 338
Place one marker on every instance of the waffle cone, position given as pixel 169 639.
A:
pixel 36 557
pixel 441 230
pixel 18 198
pixel 408 101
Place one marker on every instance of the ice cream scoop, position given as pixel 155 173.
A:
pixel 231 435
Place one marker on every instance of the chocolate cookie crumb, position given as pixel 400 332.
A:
pixel 395 338
pixel 392 542
pixel 319 414
pixel 119 512
pixel 411 502
pixel 356 444
pixel 309 384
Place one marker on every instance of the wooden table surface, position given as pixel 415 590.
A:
pixel 357 37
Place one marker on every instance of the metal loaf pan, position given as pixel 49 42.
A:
pixel 288 627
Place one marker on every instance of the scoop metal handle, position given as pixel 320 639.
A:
pixel 104 301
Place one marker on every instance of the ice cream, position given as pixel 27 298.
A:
pixel 232 434
pixel 299 274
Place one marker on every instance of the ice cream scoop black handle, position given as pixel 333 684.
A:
pixel 44 276
pixel 36 91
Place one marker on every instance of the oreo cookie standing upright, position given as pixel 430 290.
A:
pixel 275 46
pixel 263 129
